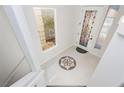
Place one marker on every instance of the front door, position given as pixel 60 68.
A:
pixel 92 21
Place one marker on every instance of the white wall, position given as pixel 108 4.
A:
pixel 17 19
pixel 78 22
pixel 22 70
pixel 110 70
pixel 23 23
pixel 64 30
pixel 10 52
pixel 113 28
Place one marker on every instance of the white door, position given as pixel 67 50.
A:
pixel 13 63
pixel 91 23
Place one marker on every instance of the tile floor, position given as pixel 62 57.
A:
pixel 80 75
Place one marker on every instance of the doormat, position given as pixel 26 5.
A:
pixel 67 63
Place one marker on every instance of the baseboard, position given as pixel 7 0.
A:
pixel 66 86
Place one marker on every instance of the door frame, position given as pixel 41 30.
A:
pixel 94 33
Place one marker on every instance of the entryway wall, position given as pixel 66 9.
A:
pixel 67 24
pixel 64 25
pixel 114 26
pixel 13 63
pixel 68 20
pixel 109 72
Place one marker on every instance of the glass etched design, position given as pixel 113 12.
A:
pixel 45 27
pixel 87 26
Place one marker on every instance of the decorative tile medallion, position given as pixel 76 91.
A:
pixel 67 63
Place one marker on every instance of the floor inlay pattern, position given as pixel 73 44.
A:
pixel 67 63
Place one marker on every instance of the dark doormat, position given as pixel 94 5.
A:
pixel 81 50
pixel 67 63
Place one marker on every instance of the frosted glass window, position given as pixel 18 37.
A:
pixel 105 28
pixel 45 26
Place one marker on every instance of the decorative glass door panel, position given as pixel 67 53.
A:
pixel 87 26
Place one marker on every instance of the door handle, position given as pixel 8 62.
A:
pixel 91 38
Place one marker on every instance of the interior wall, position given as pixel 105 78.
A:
pixel 78 22
pixel 114 27
pixel 22 70
pixel 11 54
pixel 64 30
pixel 110 70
